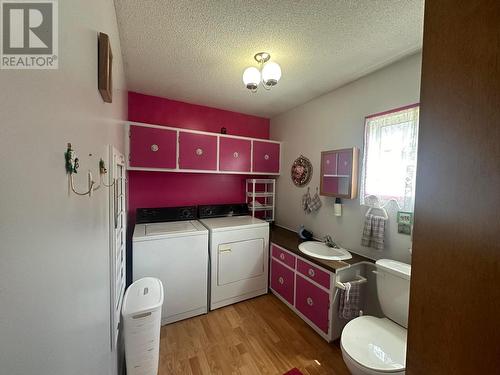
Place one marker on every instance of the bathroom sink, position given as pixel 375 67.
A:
pixel 319 250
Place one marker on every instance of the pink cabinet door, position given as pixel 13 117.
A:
pixel 329 163
pixel 313 302
pixel 197 151
pixel 283 256
pixel 344 166
pixel 314 273
pixel 152 147
pixel 329 185
pixel 266 157
pixel 234 154
pixel 282 281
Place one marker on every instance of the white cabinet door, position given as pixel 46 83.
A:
pixel 240 260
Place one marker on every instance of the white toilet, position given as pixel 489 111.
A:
pixel 376 346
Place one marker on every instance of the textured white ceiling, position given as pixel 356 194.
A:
pixel 196 51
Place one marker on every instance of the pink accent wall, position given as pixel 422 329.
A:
pixel 159 189
pixel 162 189
pixel 162 111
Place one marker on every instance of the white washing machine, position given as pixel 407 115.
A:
pixel 239 253
pixel 171 245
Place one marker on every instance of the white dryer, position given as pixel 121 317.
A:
pixel 176 252
pixel 239 253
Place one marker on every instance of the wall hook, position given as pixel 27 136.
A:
pixel 72 165
pixel 103 171
pixel 91 184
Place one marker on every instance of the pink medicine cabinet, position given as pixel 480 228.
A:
pixel 168 149
pixel 339 173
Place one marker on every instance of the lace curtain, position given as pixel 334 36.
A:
pixel 390 158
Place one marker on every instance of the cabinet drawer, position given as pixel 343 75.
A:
pixel 197 151
pixel 313 302
pixel 282 281
pixel 314 273
pixel 152 147
pixel 283 256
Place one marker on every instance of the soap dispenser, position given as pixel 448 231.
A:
pixel 337 207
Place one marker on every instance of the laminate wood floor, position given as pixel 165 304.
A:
pixel 258 336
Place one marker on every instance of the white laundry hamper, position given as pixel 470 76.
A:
pixel 142 322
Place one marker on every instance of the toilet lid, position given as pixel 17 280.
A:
pixel 376 343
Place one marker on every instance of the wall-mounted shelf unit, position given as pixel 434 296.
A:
pixel 339 173
pixel 169 149
pixel 260 193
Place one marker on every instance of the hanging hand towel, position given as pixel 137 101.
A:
pixel 374 232
pixel 315 203
pixel 349 301
pixel 306 201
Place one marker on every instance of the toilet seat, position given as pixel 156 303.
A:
pixel 377 344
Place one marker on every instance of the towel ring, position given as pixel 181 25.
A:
pixel 359 280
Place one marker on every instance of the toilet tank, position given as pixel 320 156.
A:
pixel 393 288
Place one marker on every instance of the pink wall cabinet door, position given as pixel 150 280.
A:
pixel 197 151
pixel 344 165
pixel 313 302
pixel 234 154
pixel 330 186
pixel 152 147
pixel 329 163
pixel 282 281
pixel 266 157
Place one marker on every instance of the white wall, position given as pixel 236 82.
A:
pixel 54 277
pixel 335 121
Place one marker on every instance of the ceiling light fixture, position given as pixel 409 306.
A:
pixel 268 75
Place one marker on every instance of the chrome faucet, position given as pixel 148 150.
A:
pixel 328 240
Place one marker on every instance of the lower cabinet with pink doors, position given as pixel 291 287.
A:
pixel 306 288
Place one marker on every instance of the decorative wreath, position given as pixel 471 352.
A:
pixel 301 172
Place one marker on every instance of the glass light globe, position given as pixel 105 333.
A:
pixel 251 77
pixel 271 73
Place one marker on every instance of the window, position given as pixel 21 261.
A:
pixel 390 157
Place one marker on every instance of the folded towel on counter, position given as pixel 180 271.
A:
pixel 374 232
pixel 349 301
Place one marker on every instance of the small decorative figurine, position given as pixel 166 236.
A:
pixel 102 167
pixel 72 162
